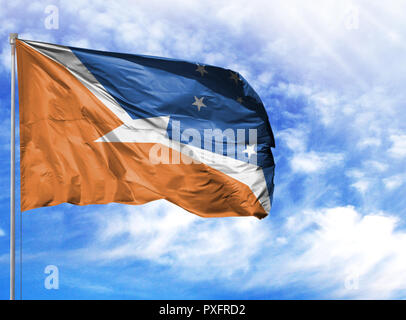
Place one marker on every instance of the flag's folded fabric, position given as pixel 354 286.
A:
pixel 99 127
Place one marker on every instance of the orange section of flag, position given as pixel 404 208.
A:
pixel 60 119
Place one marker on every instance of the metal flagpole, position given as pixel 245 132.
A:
pixel 13 37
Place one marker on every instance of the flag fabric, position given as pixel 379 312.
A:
pixel 99 127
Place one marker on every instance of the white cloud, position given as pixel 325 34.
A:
pixel 313 162
pixel 329 246
pixel 2 233
pixel 369 142
pixel 361 185
pixel 312 248
pixel 294 138
pixel 166 234
pixel 394 182
pixel 398 148
pixel 376 165
pixel 5 57
pixel 327 104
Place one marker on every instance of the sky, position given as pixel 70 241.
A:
pixel 331 75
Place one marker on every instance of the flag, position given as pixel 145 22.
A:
pixel 99 127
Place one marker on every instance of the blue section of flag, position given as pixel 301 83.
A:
pixel 148 86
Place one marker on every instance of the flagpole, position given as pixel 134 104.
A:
pixel 13 37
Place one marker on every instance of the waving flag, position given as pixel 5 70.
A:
pixel 99 127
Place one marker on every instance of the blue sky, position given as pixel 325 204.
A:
pixel 331 75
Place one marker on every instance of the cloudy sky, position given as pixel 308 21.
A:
pixel 332 76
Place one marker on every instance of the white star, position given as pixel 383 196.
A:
pixel 199 102
pixel 201 69
pixel 250 150
pixel 234 76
